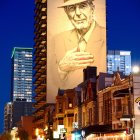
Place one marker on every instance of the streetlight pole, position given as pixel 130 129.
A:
pixel 131 107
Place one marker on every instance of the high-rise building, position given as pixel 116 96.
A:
pixel 19 109
pixel 7 116
pixel 21 84
pixel 40 61
pixel 13 111
pixel 118 60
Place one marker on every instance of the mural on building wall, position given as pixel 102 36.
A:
pixel 76 38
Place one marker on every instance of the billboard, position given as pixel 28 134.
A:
pixel 76 38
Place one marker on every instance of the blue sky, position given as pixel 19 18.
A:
pixel 16 30
pixel 123 26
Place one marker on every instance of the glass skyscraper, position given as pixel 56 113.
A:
pixel 118 60
pixel 21 88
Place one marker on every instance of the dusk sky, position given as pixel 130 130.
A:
pixel 16 30
pixel 17 27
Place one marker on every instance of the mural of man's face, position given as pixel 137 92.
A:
pixel 80 15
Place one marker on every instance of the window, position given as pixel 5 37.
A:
pixel 118 105
pixel 60 121
pixel 76 117
pixel 60 108
pixel 70 105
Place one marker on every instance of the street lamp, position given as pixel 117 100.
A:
pixel 135 69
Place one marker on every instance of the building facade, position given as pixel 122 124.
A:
pixel 40 61
pixel 119 61
pixel 7 116
pixel 21 81
pixel 21 84
pixel 104 107
pixel 19 109
pixel 26 124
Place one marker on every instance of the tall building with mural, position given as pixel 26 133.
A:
pixel 63 39
pixel 103 106
pixel 50 21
